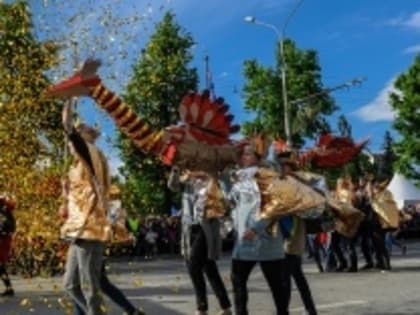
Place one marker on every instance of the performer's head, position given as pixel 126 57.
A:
pixel 288 161
pixel 249 156
pixel 255 150
pixel 88 133
pixel 344 182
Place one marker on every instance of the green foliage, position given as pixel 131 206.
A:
pixel 30 139
pixel 385 167
pixel 344 126
pixel 263 95
pixel 406 104
pixel 160 79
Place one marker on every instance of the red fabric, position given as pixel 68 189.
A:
pixel 336 156
pixel 169 154
pixel 207 121
pixel 322 238
pixel 324 139
pixel 5 248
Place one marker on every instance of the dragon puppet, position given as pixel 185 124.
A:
pixel 201 142
pixel 330 151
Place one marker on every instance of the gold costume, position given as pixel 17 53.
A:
pixel 285 196
pixel 209 195
pixel 348 218
pixel 87 200
pixel 385 206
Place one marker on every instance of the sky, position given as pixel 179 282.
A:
pixel 375 39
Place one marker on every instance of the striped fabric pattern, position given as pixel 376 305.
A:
pixel 139 131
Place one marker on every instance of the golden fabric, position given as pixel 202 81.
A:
pixel 385 206
pixel 213 200
pixel 347 217
pixel 87 201
pixel 308 176
pixel 284 196
pixel 344 195
pixel 215 206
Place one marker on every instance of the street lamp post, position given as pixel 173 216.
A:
pixel 280 38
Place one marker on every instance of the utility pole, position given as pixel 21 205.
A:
pixel 281 37
pixel 208 77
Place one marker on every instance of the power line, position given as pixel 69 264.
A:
pixel 345 85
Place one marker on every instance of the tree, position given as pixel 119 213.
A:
pixel 31 157
pixel 160 79
pixel 344 126
pixel 263 95
pixel 386 164
pixel 356 168
pixel 406 102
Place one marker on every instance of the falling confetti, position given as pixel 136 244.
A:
pixel 43 43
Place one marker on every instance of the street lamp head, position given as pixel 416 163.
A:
pixel 249 19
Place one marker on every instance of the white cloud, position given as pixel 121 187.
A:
pixel 114 164
pixel 379 108
pixel 412 49
pixel 411 22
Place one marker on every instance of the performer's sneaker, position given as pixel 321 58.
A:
pixel 341 268
pixel 367 267
pixel 225 312
pixel 352 269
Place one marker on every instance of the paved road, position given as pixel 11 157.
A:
pixel 163 288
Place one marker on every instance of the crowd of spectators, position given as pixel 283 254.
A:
pixel 155 235
pixel 161 234
pixel 410 221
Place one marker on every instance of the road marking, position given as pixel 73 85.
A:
pixel 331 305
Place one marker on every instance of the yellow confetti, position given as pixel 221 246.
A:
pixel 25 302
pixel 138 283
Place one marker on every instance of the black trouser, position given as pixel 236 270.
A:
pixel 295 269
pixel 335 250
pixel 353 252
pixel 276 273
pixel 317 248
pixel 366 242
pixel 198 265
pixel 382 255
pixel 4 276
